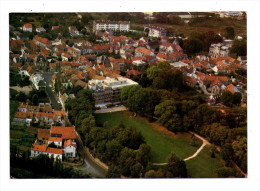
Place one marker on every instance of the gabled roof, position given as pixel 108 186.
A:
pixel 55 139
pixel 65 132
pixel 27 25
pixel 143 50
pixel 60 113
pixel 23 115
pixel 41 148
pixel 161 55
pixel 43 133
pixel 54 151
pixel 69 143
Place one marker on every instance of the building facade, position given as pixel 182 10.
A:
pixel 111 25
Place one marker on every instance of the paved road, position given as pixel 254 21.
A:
pixel 96 168
pixel 51 95
pixel 205 90
pixel 112 109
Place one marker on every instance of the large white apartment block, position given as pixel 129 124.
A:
pixel 108 90
pixel 111 25
pixel 219 50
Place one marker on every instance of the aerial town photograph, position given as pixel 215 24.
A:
pixel 125 95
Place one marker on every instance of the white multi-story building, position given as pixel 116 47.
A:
pixel 155 31
pixel 37 81
pixel 220 49
pixel 108 90
pixel 111 25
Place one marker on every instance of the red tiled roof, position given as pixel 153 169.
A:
pixel 44 114
pixel 100 47
pixel 69 143
pixel 143 50
pixel 230 88
pixel 60 113
pixel 27 25
pixel 55 139
pixel 16 64
pixel 43 133
pixel 52 65
pixel 161 55
pixel 174 54
pixel 65 132
pixel 23 115
pixel 41 148
pixel 133 72
pixel 54 151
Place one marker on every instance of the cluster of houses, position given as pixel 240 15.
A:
pixel 55 139
pixel 57 142
pixel 96 67
pixel 42 115
pixel 105 68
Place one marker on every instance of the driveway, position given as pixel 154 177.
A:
pixel 47 78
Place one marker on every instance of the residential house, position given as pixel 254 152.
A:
pixel 27 27
pixel 155 31
pixel 40 30
pixel 168 48
pixel 37 81
pixel 23 117
pixel 70 148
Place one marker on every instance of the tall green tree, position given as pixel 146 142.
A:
pixel 167 115
pixel 176 166
pixel 226 98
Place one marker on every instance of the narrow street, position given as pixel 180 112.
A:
pixel 53 99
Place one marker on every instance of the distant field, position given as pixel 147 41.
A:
pixel 161 144
pixel 203 166
pixel 239 26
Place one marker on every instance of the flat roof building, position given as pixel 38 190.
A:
pixel 111 25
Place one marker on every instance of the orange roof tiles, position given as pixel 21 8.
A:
pixel 43 133
pixel 16 64
pixel 52 65
pixel 174 54
pixel 60 113
pixel 27 25
pixel 143 50
pixel 65 132
pixel 44 114
pixel 161 55
pixel 55 139
pixel 23 115
pixel 54 151
pixel 41 148
pixel 230 88
pixel 69 143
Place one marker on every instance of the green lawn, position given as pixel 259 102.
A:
pixel 161 144
pixel 203 166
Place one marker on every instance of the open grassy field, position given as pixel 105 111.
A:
pixel 162 144
pixel 210 25
pixel 203 166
